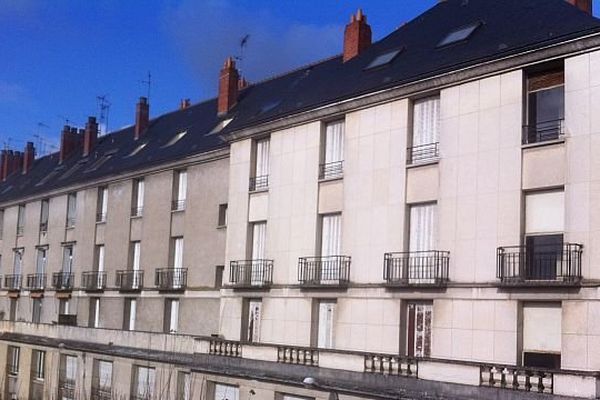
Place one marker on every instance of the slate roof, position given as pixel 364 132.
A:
pixel 507 27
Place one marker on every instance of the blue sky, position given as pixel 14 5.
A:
pixel 58 56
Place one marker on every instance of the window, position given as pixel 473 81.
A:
pixel 36 311
pixel 18 261
pixel 222 215
pixel 137 149
pixel 42 260
pixel 44 215
pixel 94 313
pixel 542 335
pixel 184 386
pixel 38 364
pixel 13 359
pixel 226 392
pixel 101 161
pixel 102 379
pixel 175 139
pixel 252 314
pixel 21 220
pixel 67 377
pixel 64 307
pixel 135 254
pixel 260 177
pixel 331 235
pixel 171 316
pixel 71 209
pixel 418 329
pixel 422 227
pixel 67 265
pixel 332 165
pixel 259 240
pixel 285 396
pixel 143 383
pixel 323 323
pixel 138 198
pixel 219 270
pixel 425 130
pixel 179 190
pixel 545 106
pixel 384 59
pixel 177 252
pixel 102 207
pixel 99 258
pixel 14 303
pixel 129 313
pixel 459 34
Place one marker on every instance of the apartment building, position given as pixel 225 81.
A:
pixel 413 217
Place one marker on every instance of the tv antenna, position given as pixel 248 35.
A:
pixel 104 106
pixel 148 83
pixel 67 121
pixel 243 43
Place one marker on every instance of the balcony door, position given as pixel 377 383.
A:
pixel 331 247
pixel 326 320
pixel 422 239
pixel 136 249
pixel 67 266
pixel 426 129
pixel 177 262
pixel 418 329
pixel 18 262
pixel 252 317
pixel 259 241
pixel 42 260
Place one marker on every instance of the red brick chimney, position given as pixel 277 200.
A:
pixel 90 136
pixel 4 163
pixel 357 36
pixel 228 86
pixel 28 157
pixel 142 117
pixel 17 162
pixel 69 141
pixel 583 5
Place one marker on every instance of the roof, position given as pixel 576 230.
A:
pixel 505 27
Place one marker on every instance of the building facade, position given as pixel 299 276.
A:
pixel 416 217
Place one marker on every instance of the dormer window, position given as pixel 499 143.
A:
pixel 137 149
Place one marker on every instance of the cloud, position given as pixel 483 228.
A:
pixel 13 93
pixel 207 32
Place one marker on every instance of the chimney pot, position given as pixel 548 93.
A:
pixel 583 5
pixel 357 36
pixel 142 117
pixel 28 157
pixel 228 87
pixel 90 136
pixel 185 103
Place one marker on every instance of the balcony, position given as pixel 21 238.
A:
pixel 63 280
pixel 13 282
pixel 178 205
pixel 251 273
pixel 418 268
pixel 130 280
pixel 540 265
pixel 423 153
pixel 101 393
pixel 171 278
pixel 544 131
pixel 36 282
pixel 92 281
pixel 66 389
pixel 259 183
pixel 522 379
pixel 323 272
pixel 332 170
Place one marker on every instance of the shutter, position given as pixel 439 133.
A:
pixel 262 157
pixel 334 142
pixel 259 239
pixel 545 212
pixel 326 321
pixel 422 227
pixel 426 121
pixel 254 318
pixel 542 327
pixel 331 235
pixel 140 194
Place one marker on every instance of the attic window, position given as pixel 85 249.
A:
pixel 73 169
pixel 175 139
pixel 99 162
pixel 384 59
pixel 459 34
pixel 269 106
pixel 6 189
pixel 220 126
pixel 137 149
pixel 50 176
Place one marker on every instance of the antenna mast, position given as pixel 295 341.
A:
pixel 104 106
pixel 148 83
pixel 243 44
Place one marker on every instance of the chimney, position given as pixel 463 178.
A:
pixel 583 5
pixel 28 157
pixel 17 162
pixel 242 83
pixel 4 164
pixel 90 136
pixel 228 86
pixel 142 117
pixel 185 103
pixel 69 141
pixel 357 36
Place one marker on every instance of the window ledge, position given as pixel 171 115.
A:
pixel 542 144
pixel 174 211
pixel 332 179
pixel 258 191
pixel 135 216
pixel 221 226
pixel 423 163
pixel 100 222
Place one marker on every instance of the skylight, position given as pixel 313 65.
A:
pixel 175 139
pixel 50 176
pixel 384 59
pixel 220 126
pixel 99 162
pixel 269 106
pixel 460 34
pixel 137 149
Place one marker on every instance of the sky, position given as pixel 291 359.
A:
pixel 57 57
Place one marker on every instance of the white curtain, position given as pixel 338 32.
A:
pixel 21 217
pixel 254 316
pixel 71 206
pixel 41 261
pixel 105 374
pixel 136 255
pixel 545 212
pixel 104 200
pixel 174 320
pixel 18 262
pixel 140 194
pixel 426 121
pixel 96 312
pixel 178 253
pixel 71 367
pixel 132 313
pixel 145 382
pixel 259 239
pixel 182 186
pixel 326 321
pixel 262 157
pixel 423 229
pixel 45 211
pixel 101 258
pixel 67 259
pixel 226 392
pixel 331 235
pixel 334 142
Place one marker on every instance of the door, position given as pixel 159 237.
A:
pixel 40 267
pixel 177 262
pixel 419 318
pixel 329 267
pixel 326 320
pixel 254 317
pixel 259 240
pixel 135 256
pixel 422 237
pixel 334 150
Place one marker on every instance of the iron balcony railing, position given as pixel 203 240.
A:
pixel 178 205
pixel 101 393
pixel 13 369
pixel 137 211
pixel 71 222
pixel 93 280
pixel 331 170
pixel 171 278
pixel 543 131
pixel 249 273
pixel 63 280
pixel 13 282
pixel 423 153
pixel 36 281
pixel 324 271
pixel 20 230
pixel 43 227
pixel 539 264
pixel 66 389
pixel 130 280
pixel 416 268
pixel 101 217
pixel 259 183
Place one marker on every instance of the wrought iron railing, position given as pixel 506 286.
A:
pixel 171 278
pixel 323 271
pixel 129 279
pixel 517 378
pixel 12 369
pixel 66 389
pixel 331 170
pixel 228 348
pixel 298 355
pixel 137 211
pixel 543 131
pixel 387 364
pixel 101 393
pixel 63 280
pixel 13 282
pixel 416 268
pixel 93 280
pixel 36 281
pixel 20 230
pixel 178 205
pixel 249 273
pixel 423 153
pixel 539 264
pixel 100 217
pixel 259 183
